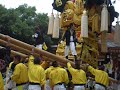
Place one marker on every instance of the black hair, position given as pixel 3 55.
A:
pixel 37 60
pixel 71 24
pixel 2 53
pixel 18 57
pixel 101 67
pixel 77 64
pixel 54 64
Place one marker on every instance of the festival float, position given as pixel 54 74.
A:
pixel 92 20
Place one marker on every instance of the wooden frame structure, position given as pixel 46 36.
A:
pixel 27 49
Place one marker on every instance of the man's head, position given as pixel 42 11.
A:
pixel 2 53
pixel 17 59
pixel 101 67
pixel 37 28
pixel 77 64
pixel 37 60
pixel 71 26
pixel 54 64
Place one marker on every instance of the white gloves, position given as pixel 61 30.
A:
pixel 35 35
pixel 61 42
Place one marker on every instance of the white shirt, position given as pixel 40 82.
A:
pixel 71 38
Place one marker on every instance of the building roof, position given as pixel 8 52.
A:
pixel 110 39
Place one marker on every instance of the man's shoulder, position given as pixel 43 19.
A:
pixel 101 71
pixel 56 69
pixel 82 71
pixel 50 68
pixel 40 68
pixel 105 72
pixel 20 65
pixel 62 69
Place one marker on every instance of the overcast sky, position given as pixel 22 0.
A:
pixel 41 5
pixel 44 6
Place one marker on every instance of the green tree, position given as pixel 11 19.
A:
pixel 20 23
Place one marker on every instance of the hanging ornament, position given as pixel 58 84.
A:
pixel 56 27
pixel 84 25
pixel 104 42
pixel 51 24
pixel 104 18
pixel 117 33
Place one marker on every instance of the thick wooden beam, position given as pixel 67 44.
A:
pixel 17 48
pixel 36 50
pixel 13 53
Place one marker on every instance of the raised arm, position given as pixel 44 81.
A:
pixel 16 73
pixel 91 69
pixel 70 68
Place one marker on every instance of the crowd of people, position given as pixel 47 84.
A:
pixel 35 74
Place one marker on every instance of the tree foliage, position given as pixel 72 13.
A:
pixel 20 23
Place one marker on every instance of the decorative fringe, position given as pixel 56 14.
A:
pixel 56 27
pixel 104 18
pixel 95 23
pixel 117 33
pixel 104 41
pixel 51 24
pixel 84 25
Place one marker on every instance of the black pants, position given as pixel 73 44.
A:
pixel 9 89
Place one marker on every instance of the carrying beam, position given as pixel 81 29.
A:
pixel 36 50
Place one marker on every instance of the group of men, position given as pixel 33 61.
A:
pixel 32 75
pixel 69 36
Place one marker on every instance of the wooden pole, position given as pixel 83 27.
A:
pixel 17 48
pixel 36 50
pixel 104 41
pixel 16 53
pixel 14 47
pixel 13 53
pixel 82 49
